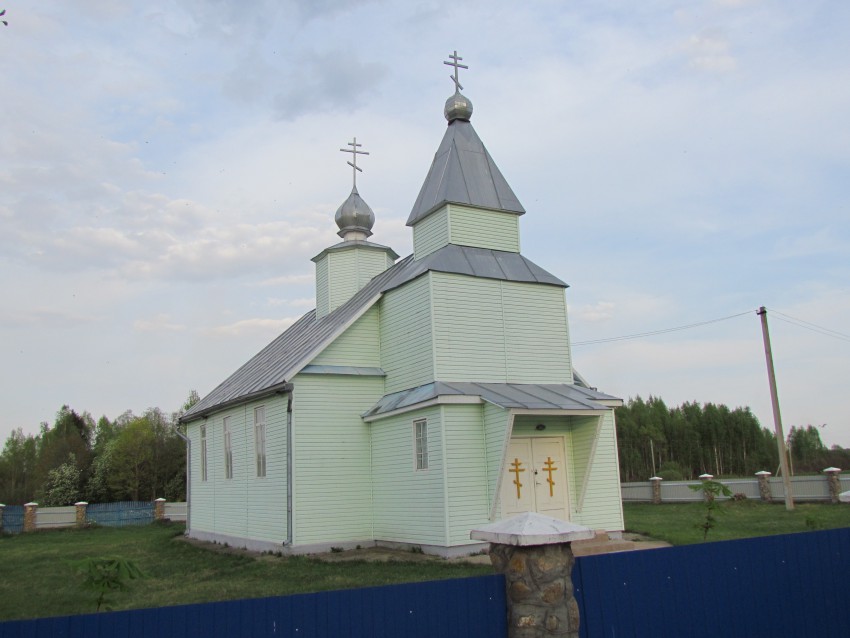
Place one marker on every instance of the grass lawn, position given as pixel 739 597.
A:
pixel 36 581
pixel 677 523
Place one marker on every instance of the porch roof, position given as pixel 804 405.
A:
pixel 520 396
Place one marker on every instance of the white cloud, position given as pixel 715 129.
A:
pixel 160 323
pixel 270 327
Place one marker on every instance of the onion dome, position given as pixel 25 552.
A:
pixel 458 107
pixel 354 216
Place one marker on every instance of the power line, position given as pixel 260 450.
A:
pixel 659 332
pixel 808 325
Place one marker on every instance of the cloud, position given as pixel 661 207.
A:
pixel 159 323
pixel 42 317
pixel 325 81
pixel 594 313
pixel 709 51
pixel 252 326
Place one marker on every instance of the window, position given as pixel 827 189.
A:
pixel 420 437
pixel 260 439
pixel 204 452
pixel 228 449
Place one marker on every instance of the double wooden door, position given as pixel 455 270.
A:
pixel 535 478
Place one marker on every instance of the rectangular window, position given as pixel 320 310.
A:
pixel 204 452
pixel 260 439
pixel 420 436
pixel 228 449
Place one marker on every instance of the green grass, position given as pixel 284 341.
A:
pixel 677 523
pixel 37 581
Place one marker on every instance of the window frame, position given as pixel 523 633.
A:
pixel 204 464
pixel 260 441
pixel 420 445
pixel 228 447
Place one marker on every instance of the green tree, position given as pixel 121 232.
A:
pixel 132 458
pixel 63 484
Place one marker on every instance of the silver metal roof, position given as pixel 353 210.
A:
pixel 478 262
pixel 279 361
pixel 527 396
pixel 463 173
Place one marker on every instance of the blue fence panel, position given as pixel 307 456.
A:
pixel 459 608
pixel 788 585
pixel 13 519
pixel 120 514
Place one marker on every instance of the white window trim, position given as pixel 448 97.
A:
pixel 260 441
pixel 423 457
pixel 204 466
pixel 228 447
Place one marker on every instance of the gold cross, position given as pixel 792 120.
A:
pixel 549 466
pixel 516 470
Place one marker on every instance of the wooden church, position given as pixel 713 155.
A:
pixel 421 398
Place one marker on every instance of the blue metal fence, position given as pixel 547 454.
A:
pixel 120 514
pixel 789 585
pixel 13 519
pixel 459 608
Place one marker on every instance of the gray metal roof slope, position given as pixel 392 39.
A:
pixel 275 364
pixel 527 396
pixel 463 173
pixel 477 262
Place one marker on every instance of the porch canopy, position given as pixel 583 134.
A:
pixel 519 397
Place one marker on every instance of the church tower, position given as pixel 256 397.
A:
pixel 344 268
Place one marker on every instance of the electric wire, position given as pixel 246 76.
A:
pixel 652 333
pixel 808 325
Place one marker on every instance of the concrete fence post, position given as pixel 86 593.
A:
pixel 764 486
pixel 159 509
pixel 656 489
pixel 30 513
pixel 534 552
pixel 708 496
pixel 80 519
pixel 833 482
pixel 2 507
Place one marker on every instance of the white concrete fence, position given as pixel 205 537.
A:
pixel 825 487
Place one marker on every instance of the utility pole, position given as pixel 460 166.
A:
pixel 777 418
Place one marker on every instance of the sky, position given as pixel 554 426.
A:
pixel 168 169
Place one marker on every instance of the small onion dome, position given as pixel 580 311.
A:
pixel 458 107
pixel 354 215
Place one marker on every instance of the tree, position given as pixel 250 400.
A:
pixel 132 456
pixel 63 484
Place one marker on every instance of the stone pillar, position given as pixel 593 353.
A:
pixel 834 482
pixel 81 513
pixel 30 512
pixel 656 489
pixel 2 507
pixel 159 509
pixel 534 553
pixel 764 486
pixel 706 494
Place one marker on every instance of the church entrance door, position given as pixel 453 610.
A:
pixel 535 478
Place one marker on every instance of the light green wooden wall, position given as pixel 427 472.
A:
pixel 499 331
pixel 466 226
pixel 466 470
pixel 496 431
pixel 341 273
pixel 430 234
pixel 360 345
pixel 481 228
pixel 408 504
pixel 406 339
pixel 322 298
pixel 332 474
pixel 602 507
pixel 245 506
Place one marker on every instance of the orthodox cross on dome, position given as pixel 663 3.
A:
pixel 457 65
pixel 353 164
